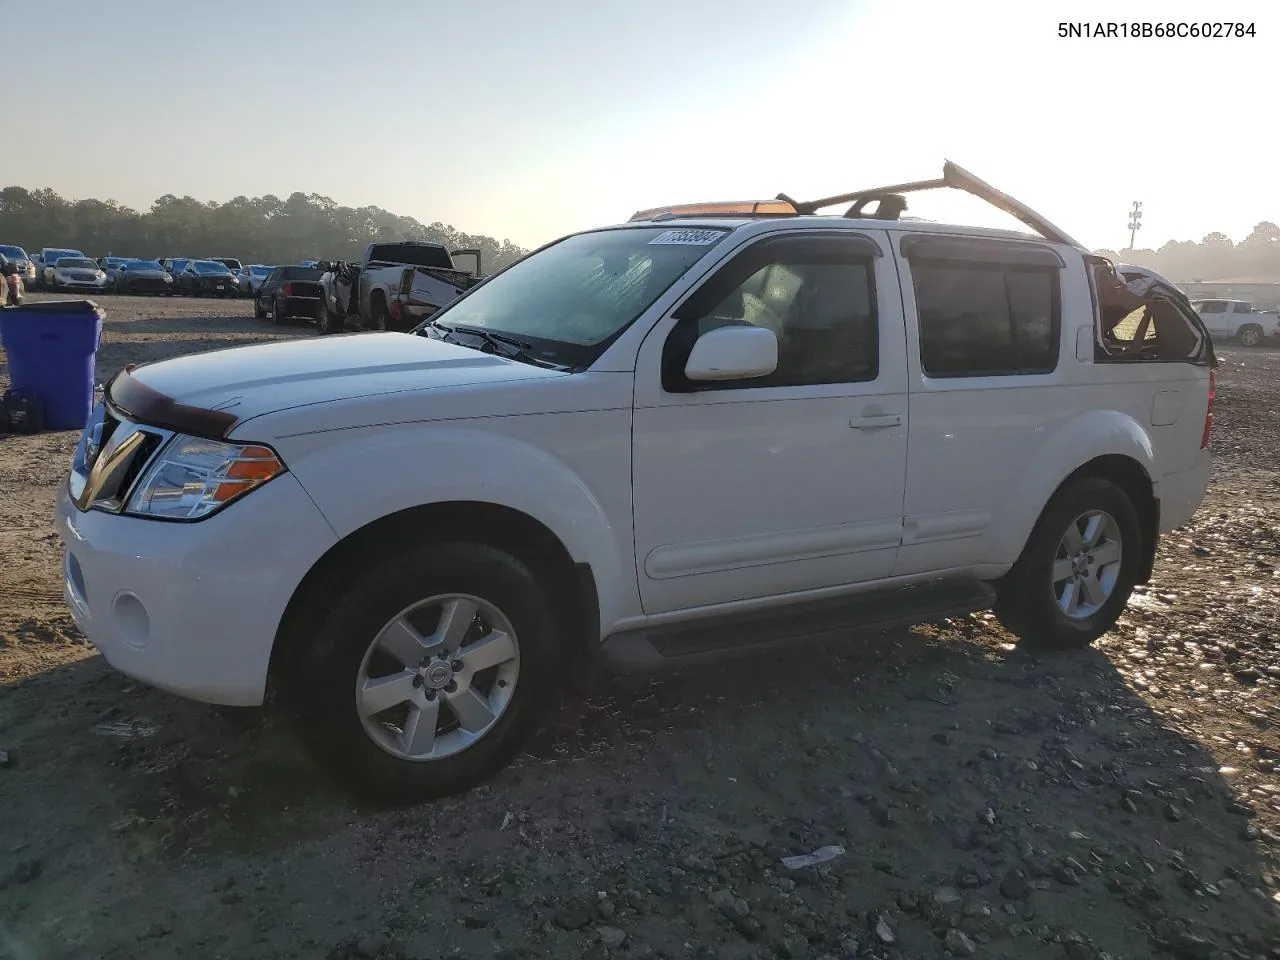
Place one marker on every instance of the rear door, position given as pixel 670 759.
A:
pixel 984 349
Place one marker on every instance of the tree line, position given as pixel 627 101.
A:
pixel 252 229
pixel 1216 257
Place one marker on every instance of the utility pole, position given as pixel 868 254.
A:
pixel 1135 221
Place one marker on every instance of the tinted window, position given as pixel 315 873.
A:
pixel 301 273
pixel 418 256
pixel 817 296
pixel 986 319
pixel 1212 306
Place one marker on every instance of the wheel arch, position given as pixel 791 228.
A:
pixel 570 583
pixel 1106 444
pixel 1133 478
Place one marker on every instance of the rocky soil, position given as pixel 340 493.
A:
pixel 971 801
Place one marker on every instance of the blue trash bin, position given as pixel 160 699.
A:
pixel 52 349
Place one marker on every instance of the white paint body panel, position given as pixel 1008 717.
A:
pixel 682 505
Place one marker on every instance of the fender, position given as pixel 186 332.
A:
pixel 457 462
pixel 1093 434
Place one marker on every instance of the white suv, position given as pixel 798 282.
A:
pixel 700 431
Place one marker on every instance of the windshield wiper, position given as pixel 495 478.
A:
pixel 512 348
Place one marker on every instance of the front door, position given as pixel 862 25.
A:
pixel 793 481
pixel 1214 315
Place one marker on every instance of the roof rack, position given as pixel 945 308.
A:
pixel 891 202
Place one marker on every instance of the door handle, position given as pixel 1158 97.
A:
pixel 876 422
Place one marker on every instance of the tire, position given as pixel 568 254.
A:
pixel 379 315
pixel 359 750
pixel 278 316
pixel 1250 335
pixel 327 322
pixel 1035 608
pixel 258 312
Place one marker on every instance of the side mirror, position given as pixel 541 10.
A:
pixel 733 353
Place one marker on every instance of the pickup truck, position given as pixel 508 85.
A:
pixel 397 285
pixel 1238 320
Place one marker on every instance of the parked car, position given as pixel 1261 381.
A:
pixel 110 266
pixel 1238 320
pixel 46 260
pixel 206 278
pixel 26 267
pixel 77 273
pixel 174 266
pixel 289 292
pixel 251 277
pixel 395 286
pixel 710 428
pixel 143 276
pixel 231 263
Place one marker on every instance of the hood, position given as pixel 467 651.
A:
pixel 250 381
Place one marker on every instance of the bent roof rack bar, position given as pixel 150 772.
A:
pixel 953 176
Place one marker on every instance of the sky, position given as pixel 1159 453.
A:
pixel 528 120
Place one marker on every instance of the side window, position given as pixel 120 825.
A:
pixel 981 319
pixel 1241 307
pixel 1213 306
pixel 817 295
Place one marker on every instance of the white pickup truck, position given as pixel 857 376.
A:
pixel 710 430
pixel 1238 320
pixel 394 287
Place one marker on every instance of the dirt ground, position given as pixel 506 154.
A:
pixel 1123 802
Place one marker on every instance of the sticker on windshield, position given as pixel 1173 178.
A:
pixel 700 238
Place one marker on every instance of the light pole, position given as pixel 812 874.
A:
pixel 1135 221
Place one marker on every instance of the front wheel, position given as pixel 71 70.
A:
pixel 427 673
pixel 1250 335
pixel 1077 570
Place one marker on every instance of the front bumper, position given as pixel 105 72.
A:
pixel 192 608
pixel 71 284
pixel 214 287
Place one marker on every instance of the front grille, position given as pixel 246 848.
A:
pixel 112 455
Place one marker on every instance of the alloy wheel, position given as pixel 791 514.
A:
pixel 437 677
pixel 1087 565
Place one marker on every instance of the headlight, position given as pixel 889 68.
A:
pixel 192 477
pixel 168 279
pixel 101 275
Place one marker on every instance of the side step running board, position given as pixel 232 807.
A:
pixel 739 634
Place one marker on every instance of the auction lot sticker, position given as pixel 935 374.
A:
pixel 700 238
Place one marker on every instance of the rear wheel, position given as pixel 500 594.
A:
pixel 379 315
pixel 259 312
pixel 1250 335
pixel 279 314
pixel 1077 570
pixel 425 676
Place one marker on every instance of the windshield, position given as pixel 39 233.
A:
pixel 260 271
pixel 586 289
pixel 78 263
pixel 53 256
pixel 144 264
pixel 178 264
pixel 301 273
pixel 208 266
pixel 14 253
